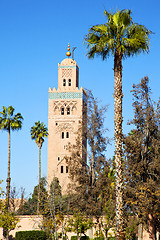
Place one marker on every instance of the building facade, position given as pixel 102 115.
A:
pixel 66 113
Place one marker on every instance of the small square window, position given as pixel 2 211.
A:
pixel 61 169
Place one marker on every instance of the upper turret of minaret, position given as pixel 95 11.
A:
pixel 68 74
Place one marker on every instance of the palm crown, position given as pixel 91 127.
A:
pixel 118 34
pixel 10 121
pixel 38 132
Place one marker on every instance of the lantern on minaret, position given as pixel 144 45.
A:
pixel 68 54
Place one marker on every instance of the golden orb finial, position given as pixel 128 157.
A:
pixel 68 54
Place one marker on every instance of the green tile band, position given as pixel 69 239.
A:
pixel 67 95
pixel 68 66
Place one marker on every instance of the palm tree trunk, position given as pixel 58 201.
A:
pixel 39 190
pixel 5 231
pixel 118 95
pixel 9 163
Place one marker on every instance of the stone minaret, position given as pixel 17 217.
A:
pixel 66 113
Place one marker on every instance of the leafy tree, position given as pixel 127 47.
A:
pixel 122 38
pixel 54 209
pixel 30 206
pixel 16 203
pixel 9 121
pixel 95 131
pixel 108 219
pixel 78 224
pixel 90 186
pixel 8 220
pixel 142 148
pixel 38 132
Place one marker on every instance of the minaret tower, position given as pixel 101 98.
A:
pixel 66 113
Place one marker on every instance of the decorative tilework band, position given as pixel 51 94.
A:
pixel 65 66
pixel 67 95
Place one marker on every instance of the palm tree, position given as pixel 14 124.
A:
pixel 38 132
pixel 8 122
pixel 121 38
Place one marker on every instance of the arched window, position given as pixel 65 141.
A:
pixel 61 169
pixel 64 82
pixel 68 111
pixel 66 169
pixel 62 134
pixel 67 134
pixel 62 111
pixel 69 82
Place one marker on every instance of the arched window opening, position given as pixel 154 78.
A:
pixel 68 111
pixel 61 169
pixel 67 134
pixel 66 169
pixel 64 82
pixel 58 158
pixel 69 82
pixel 62 134
pixel 62 111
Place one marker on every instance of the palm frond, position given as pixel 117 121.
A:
pixel 10 121
pixel 118 34
pixel 38 132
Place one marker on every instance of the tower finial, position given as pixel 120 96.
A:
pixel 68 54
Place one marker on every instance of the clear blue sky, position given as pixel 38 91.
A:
pixel 34 37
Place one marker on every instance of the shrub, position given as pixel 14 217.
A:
pixel 99 238
pixel 74 238
pixel 30 235
pixel 84 238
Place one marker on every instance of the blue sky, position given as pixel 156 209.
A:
pixel 34 37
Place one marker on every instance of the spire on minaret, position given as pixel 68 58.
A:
pixel 68 54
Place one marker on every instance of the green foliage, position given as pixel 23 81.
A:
pixel 38 132
pixel 8 220
pixel 73 237
pixel 30 235
pixel 10 121
pixel 142 148
pixel 131 228
pixel 30 207
pixel 78 223
pixel 119 34
pixel 91 176
pixel 81 238
pixel 84 237
pixel 99 238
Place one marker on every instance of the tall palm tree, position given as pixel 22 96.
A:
pixel 8 122
pixel 38 132
pixel 121 38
